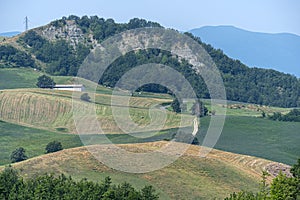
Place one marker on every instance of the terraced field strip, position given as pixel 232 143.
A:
pixel 52 110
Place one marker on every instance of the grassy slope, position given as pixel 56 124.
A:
pixel 273 140
pixel 35 140
pixel 32 139
pixel 12 78
pixel 52 110
pixel 190 177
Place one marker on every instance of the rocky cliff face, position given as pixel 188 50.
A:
pixel 69 31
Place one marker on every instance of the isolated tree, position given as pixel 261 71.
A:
pixel 263 114
pixel 45 82
pixel 199 109
pixel 176 105
pixel 53 147
pixel 18 155
pixel 195 141
pixel 85 97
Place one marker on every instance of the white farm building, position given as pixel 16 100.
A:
pixel 78 88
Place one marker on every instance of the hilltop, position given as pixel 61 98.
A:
pixel 190 176
pixel 60 47
pixel 277 51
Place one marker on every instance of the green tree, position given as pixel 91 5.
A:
pixel 85 97
pixel 45 82
pixel 281 188
pixel 149 193
pixel 284 188
pixel 295 170
pixel 199 109
pixel 243 196
pixel 264 190
pixel 53 147
pixel 176 105
pixel 8 178
pixel 195 141
pixel 18 155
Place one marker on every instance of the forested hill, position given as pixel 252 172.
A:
pixel 60 47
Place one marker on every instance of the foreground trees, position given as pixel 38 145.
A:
pixel 49 187
pixel 281 188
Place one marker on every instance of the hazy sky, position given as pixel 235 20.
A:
pixel 271 16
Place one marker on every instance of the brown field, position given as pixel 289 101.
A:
pixel 189 177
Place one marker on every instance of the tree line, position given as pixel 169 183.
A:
pixel 50 187
pixel 292 116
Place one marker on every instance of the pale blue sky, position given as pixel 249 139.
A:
pixel 273 16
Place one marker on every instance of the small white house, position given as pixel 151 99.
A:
pixel 78 88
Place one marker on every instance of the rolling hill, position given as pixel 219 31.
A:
pixel 59 48
pixel 189 177
pixel 32 117
pixel 244 132
pixel 276 51
pixel 52 110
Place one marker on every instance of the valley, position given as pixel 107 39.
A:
pixel 251 140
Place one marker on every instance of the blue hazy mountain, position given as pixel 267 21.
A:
pixel 10 34
pixel 276 51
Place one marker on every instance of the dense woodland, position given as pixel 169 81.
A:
pixel 252 85
pixel 12 57
pixel 49 187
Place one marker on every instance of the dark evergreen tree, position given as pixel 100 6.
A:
pixel 195 141
pixel 53 147
pixel 85 97
pixel 45 82
pixel 199 109
pixel 176 105
pixel 18 155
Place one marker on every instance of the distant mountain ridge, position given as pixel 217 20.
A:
pixel 279 51
pixel 10 34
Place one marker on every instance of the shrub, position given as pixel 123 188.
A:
pixel 53 147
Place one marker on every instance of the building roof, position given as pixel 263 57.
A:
pixel 69 86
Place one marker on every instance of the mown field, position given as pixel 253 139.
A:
pixel 189 177
pixel 33 117
pixel 243 132
pixel 53 110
